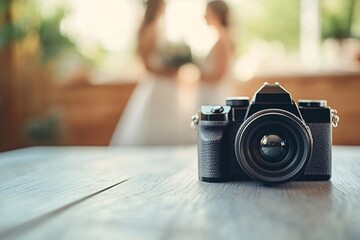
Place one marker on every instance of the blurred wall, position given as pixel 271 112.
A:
pixel 89 113
pixel 92 112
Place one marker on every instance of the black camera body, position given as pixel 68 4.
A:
pixel 270 139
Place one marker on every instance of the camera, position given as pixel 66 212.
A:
pixel 269 139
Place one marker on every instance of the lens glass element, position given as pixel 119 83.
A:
pixel 272 147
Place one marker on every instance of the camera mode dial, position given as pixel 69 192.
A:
pixel 217 109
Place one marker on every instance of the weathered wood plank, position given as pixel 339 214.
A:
pixel 164 200
pixel 36 181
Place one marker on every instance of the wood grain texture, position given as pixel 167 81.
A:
pixel 163 199
pixel 102 106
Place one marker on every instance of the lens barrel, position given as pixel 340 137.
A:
pixel 273 146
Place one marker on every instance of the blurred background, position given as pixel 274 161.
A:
pixel 68 68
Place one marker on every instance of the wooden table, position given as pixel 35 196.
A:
pixel 154 193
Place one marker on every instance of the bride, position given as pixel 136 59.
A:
pixel 156 113
pixel 216 70
pixel 153 115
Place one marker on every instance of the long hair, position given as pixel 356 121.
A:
pixel 221 9
pixel 152 9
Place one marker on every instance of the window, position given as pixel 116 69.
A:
pixel 268 33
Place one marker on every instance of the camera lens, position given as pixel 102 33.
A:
pixel 273 146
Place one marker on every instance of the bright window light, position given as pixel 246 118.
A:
pixel 113 24
pixel 110 24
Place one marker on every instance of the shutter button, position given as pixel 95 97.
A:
pixel 217 109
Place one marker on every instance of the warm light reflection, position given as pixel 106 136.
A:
pixel 185 22
pixel 109 24
pixel 112 24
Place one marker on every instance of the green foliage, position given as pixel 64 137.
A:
pixel 26 20
pixel 52 40
pixel 271 20
pixel 338 18
pixel 13 30
pixel 10 32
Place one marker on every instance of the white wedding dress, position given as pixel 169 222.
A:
pixel 160 109
pixel 154 116
pixel 209 93
pixel 156 113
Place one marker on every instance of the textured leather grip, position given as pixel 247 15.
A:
pixel 320 160
pixel 211 149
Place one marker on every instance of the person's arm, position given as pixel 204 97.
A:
pixel 169 72
pixel 221 63
pixel 147 45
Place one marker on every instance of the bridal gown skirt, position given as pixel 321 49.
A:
pixel 155 115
